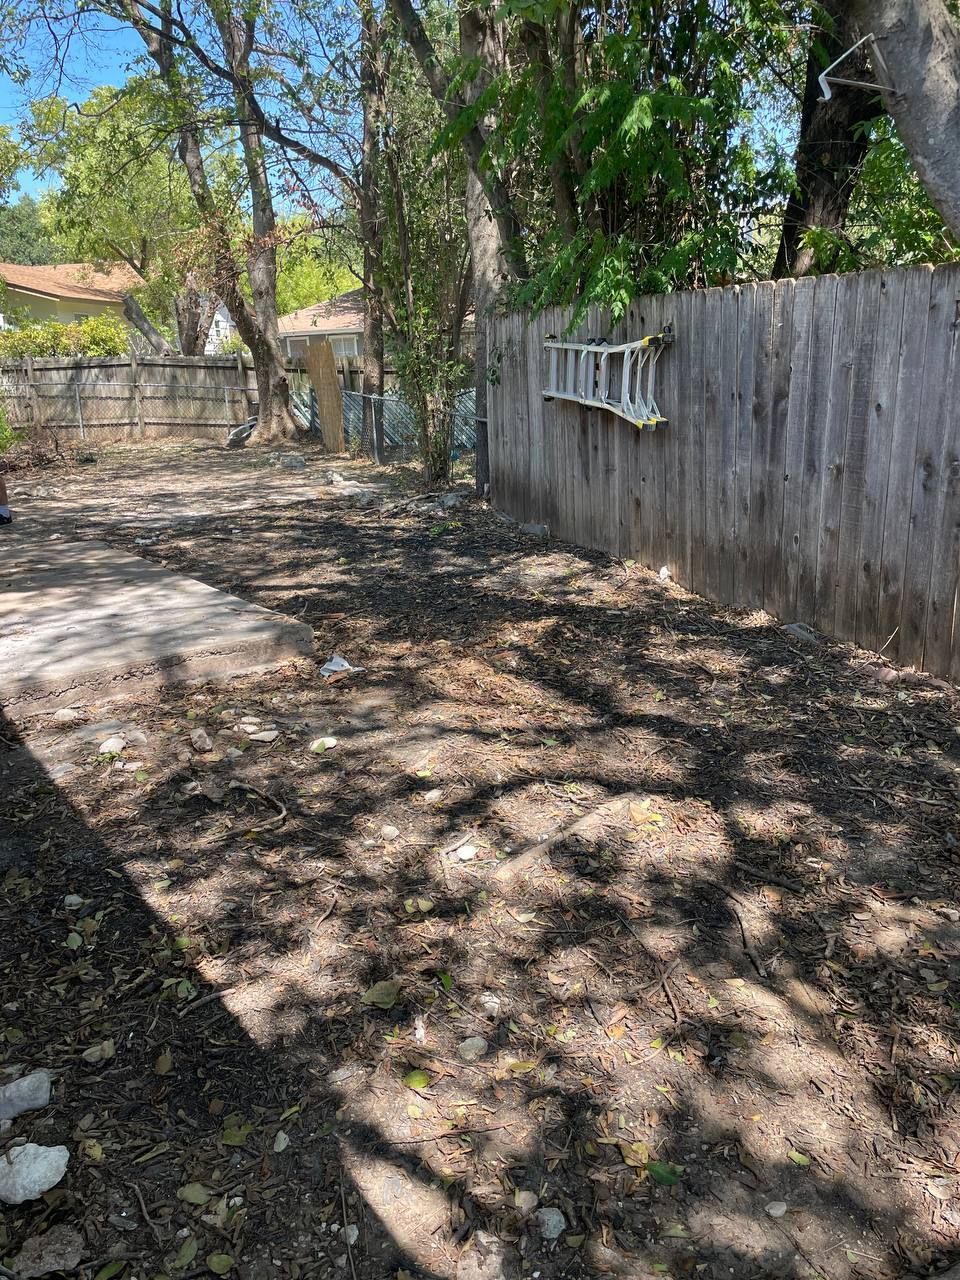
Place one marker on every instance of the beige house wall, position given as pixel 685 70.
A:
pixel 64 310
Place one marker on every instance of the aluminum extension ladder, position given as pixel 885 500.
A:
pixel 618 378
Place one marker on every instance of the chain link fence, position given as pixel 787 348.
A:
pixel 401 443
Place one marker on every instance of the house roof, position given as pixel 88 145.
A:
pixel 81 281
pixel 339 315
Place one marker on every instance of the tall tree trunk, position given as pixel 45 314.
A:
pixel 920 43
pixel 831 146
pixel 490 267
pixel 135 315
pixel 237 32
pixel 371 231
pixel 194 315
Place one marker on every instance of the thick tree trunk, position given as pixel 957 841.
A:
pixel 194 314
pixel 371 232
pixel 831 146
pixel 920 43
pixel 134 314
pixel 486 249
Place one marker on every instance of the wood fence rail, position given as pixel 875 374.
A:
pixel 811 466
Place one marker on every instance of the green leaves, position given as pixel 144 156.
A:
pixel 194 1193
pixel 417 1079
pixel 382 994
pixel 219 1263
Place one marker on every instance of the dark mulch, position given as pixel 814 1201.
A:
pixel 731 980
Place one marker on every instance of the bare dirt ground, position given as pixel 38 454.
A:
pixel 615 934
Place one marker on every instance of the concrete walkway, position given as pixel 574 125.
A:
pixel 81 621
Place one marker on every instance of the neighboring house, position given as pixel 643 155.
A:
pixel 222 331
pixel 66 293
pixel 340 320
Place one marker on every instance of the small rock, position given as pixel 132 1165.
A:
pixel 319 745
pixel 490 1003
pixel 29 1093
pixel 201 740
pixel 463 853
pixel 665 575
pixel 535 530
pixel 233 753
pixel 112 746
pixel 62 770
pixel 59 1249
pixel 526 1201
pixel 27 1172
pixel 800 631
pixel 265 735
pixel 450 500
pixel 432 796
pixel 488 1258
pixel 389 833
pixel 472 1049
pixel 776 1208
pixel 66 715
pixel 137 737
pixel 352 1234
pixel 72 902
pixel 293 461
pixel 552 1223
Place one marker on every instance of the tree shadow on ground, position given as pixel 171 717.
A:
pixel 732 996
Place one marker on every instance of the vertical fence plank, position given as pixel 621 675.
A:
pixel 677 408
pixel 855 455
pixel 712 364
pixel 903 455
pixel 880 418
pixel 931 572
pixel 844 337
pixel 750 565
pixel 727 462
pixel 800 375
pixel 821 359
pixel 745 591
pixel 768 491
pixel 696 429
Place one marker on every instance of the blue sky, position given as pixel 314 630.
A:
pixel 102 56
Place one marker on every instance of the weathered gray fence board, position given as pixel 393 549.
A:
pixel 903 454
pixel 834 429
pixel 811 464
pixel 883 403
pixel 854 454
pixel 937 429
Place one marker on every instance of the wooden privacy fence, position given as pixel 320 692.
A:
pixel 133 397
pixel 811 466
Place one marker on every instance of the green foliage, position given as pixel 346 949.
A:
pixel 891 221
pixel 11 159
pixel 24 237
pixel 310 270
pixel 104 335
pixel 9 434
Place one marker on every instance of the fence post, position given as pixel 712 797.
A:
pixel 33 393
pixel 244 391
pixel 140 425
pixel 76 392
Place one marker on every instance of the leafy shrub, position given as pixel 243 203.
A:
pixel 9 434
pixel 105 335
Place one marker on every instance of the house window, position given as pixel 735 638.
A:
pixel 345 345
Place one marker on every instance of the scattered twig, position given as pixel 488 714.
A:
pixel 760 873
pixel 272 823
pixel 735 904
pixel 207 999
pixel 452 1133
pixel 529 856
pixel 146 1216
pixel 346 1225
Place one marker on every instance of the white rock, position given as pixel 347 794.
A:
pixel 352 1234
pixel 388 832
pixel 464 853
pixel 319 745
pixel 551 1221
pixel 137 737
pixel 113 746
pixel 66 715
pixel 265 735
pixel 72 902
pixel 201 740
pixel 490 1003
pixel 664 575
pixel 27 1172
pixel 472 1049
pixel 29 1093
pixel 233 753
pixel 433 795
pixel 776 1208
pixel 526 1201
